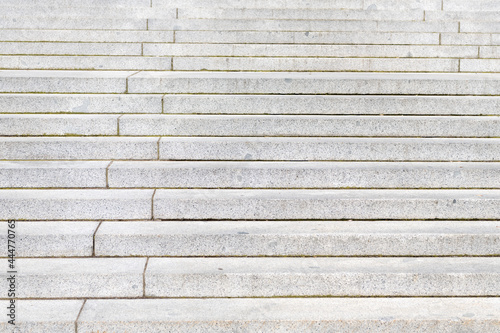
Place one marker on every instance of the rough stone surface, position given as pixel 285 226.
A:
pixel 41 48
pixel 94 23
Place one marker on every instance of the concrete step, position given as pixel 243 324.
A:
pixel 52 239
pixel 311 50
pixel 277 277
pixel 281 175
pixel 312 104
pixel 81 103
pixel 303 83
pixel 325 204
pixel 78 148
pixel 78 277
pixel 54 124
pixel 53 48
pixel 78 23
pixel 315 64
pixel 292 315
pixel 298 238
pixel 75 204
pixel 322 149
pixel 290 37
pixel 53 174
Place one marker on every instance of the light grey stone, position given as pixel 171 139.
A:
pixel 324 4
pixel 314 83
pixel 461 15
pixel 495 39
pixel 329 149
pixel 78 277
pixel 299 14
pixel 41 48
pixel 80 103
pixel 272 277
pixel 338 104
pixel 314 64
pixel 52 174
pixel 300 50
pixel 303 175
pixel 12 81
pixel 90 36
pixel 285 37
pixel 468 26
pixel 51 239
pixel 402 5
pixel 62 23
pixel 476 5
pixel 298 238
pixel 81 3
pixel 325 204
pixel 21 124
pixel 392 315
pixel 78 148
pixel 480 65
pixel 42 316
pixel 75 204
pixel 39 9
pixel 489 52
pixel 466 39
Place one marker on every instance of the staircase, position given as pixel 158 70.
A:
pixel 251 165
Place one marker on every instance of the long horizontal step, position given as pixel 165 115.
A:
pixel 271 277
pixel 332 4
pixel 63 23
pixel 75 204
pixel 51 239
pixel 78 148
pixel 103 10
pixel 296 104
pixel 307 83
pixel 78 278
pixel 263 175
pixel 54 48
pixel 81 3
pixel 292 315
pixel 325 204
pixel 299 238
pixel 312 149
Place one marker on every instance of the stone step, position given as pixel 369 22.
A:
pixel 291 37
pixel 319 149
pixel 314 64
pixel 54 124
pixel 81 3
pixel 181 204
pixel 278 277
pixel 53 174
pixel 450 38
pixel 477 5
pixel 87 103
pixel 489 52
pixel 78 277
pixel 311 50
pixel 296 104
pixel 53 48
pixel 323 4
pixel 79 148
pixel 480 65
pixel 298 238
pixel 302 83
pixel 466 15
pixel 291 315
pixel 78 23
pixel 278 175
pixel 41 10
pixel 51 239
pixel 75 204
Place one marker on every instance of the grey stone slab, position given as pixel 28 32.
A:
pixel 300 50
pixel 402 5
pixel 30 125
pixel 41 48
pixel 54 62
pixel 466 39
pixel 271 277
pixel 80 103
pixel 307 125
pixel 52 174
pixel 329 149
pixel 461 15
pixel 95 23
pixel 70 11
pixel 314 64
pixel 298 238
pixel 95 36
pixel 484 27
pixel 75 204
pixel 51 239
pixel 477 5
pixel 284 37
pixel 12 81
pixel 330 4
pixel 480 65
pixel 300 14
pixel 78 277
pixel 81 3
pixel 392 315
pixel 304 175
pixel 43 316
pixel 316 104
pixel 489 52
pixel 78 148
pixel 325 204
pixel 315 83
pixel 495 39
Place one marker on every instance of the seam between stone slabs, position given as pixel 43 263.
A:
pixel 107 173
pixel 163 98
pixel 118 121
pixel 158 148
pixel 126 81
pixel 93 238
pixel 78 316
pixel 152 205
pixel 144 278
